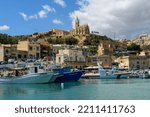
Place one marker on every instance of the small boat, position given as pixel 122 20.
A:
pixel 143 74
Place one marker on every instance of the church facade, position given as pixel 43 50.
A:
pixel 80 29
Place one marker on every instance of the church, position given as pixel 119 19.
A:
pixel 80 29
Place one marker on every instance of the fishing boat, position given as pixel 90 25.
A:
pixel 67 74
pixel 98 72
pixel 28 78
pixel 21 75
pixel 91 72
pixel 144 74
pixel 112 73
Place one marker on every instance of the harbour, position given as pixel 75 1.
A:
pixel 84 89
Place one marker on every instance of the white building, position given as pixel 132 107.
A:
pixel 70 57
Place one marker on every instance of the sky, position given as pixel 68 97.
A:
pixel 118 19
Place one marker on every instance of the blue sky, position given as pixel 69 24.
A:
pixel 124 18
pixel 19 17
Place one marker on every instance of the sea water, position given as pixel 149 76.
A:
pixel 85 89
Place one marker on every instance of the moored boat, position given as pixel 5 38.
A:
pixel 67 74
pixel 29 78
pixel 32 74
pixel 98 72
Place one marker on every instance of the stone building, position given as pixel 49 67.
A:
pixel 58 33
pixel 143 39
pixel 80 29
pixel 8 51
pixel 70 57
pixel 32 48
pixel 134 62
pixel 105 48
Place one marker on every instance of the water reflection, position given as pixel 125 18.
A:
pixel 84 89
pixel 7 90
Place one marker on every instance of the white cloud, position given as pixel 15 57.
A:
pixel 126 18
pixel 60 2
pixel 57 21
pixel 4 28
pixel 42 14
pixel 46 9
pixel 26 17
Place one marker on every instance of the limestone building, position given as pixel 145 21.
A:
pixel 134 62
pixel 8 51
pixel 71 57
pixel 105 48
pixel 80 29
pixel 143 39
pixel 32 49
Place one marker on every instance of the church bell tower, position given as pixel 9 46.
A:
pixel 77 23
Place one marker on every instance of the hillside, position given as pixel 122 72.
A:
pixel 83 40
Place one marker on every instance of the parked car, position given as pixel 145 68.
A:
pixel 11 60
pixel 30 60
pixel 3 62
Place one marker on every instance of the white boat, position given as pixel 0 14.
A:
pixel 28 75
pixel 112 73
pixel 91 72
pixel 105 73
pixel 29 78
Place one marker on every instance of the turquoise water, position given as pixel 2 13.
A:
pixel 87 89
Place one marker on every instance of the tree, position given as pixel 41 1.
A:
pixel 93 49
pixel 71 41
pixel 133 47
pixel 6 39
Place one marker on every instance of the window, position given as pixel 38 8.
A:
pixel 30 47
pixel 37 48
pixel 59 59
pixel 6 51
pixel 70 58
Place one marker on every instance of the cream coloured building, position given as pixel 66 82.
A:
pixel 134 62
pixel 59 33
pixel 143 39
pixel 105 48
pixel 8 51
pixel 32 48
pixel 70 57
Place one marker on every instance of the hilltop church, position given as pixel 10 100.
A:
pixel 80 29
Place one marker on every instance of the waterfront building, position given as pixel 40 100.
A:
pixel 32 48
pixel 45 49
pixel 105 48
pixel 134 62
pixel 106 61
pixel 8 51
pixel 70 57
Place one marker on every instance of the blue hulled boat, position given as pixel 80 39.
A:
pixel 67 75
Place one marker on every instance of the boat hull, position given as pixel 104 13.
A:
pixel 29 78
pixel 114 77
pixel 69 77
